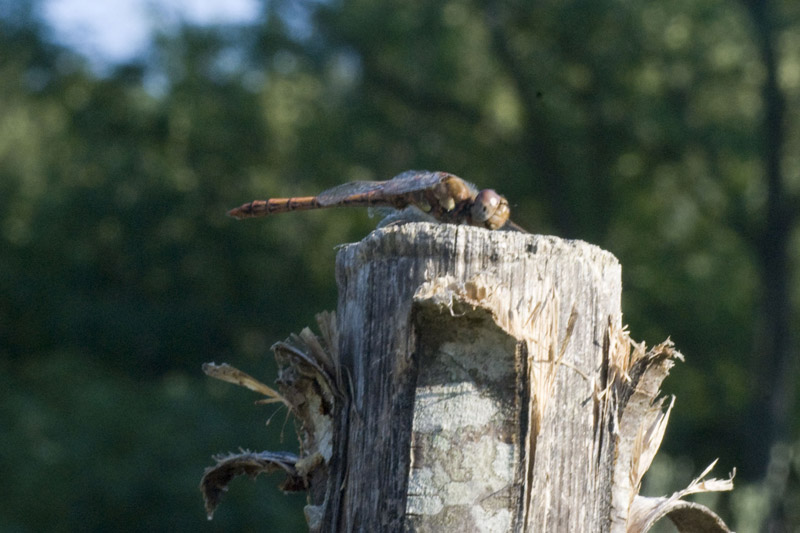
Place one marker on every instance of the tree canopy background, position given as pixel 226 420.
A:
pixel 665 132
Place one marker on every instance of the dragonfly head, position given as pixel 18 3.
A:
pixel 489 210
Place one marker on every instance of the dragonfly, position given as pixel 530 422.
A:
pixel 444 196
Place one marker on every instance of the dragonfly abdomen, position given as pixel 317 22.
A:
pixel 273 206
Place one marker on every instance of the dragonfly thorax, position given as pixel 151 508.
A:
pixel 452 192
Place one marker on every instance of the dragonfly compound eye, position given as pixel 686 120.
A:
pixel 489 210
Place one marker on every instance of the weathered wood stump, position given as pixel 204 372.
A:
pixel 472 408
pixel 483 382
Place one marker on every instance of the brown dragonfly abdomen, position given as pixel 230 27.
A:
pixel 274 206
pixel 262 208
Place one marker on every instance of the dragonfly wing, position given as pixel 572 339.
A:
pixel 413 181
pixel 406 182
pixel 420 180
pixel 402 216
pixel 341 192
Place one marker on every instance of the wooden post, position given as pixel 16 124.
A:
pixel 473 360
pixel 483 382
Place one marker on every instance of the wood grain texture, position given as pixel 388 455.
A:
pixel 471 322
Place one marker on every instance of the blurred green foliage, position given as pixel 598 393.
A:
pixel 634 125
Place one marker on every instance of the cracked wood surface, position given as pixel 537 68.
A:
pixel 470 406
